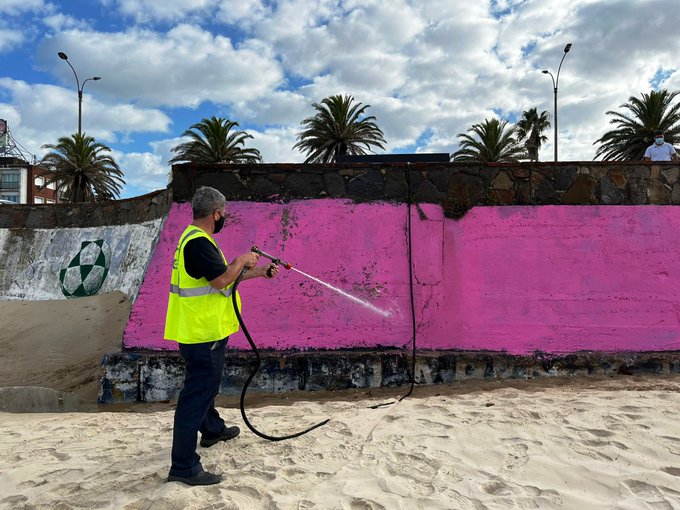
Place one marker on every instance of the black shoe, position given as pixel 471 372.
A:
pixel 227 434
pixel 200 478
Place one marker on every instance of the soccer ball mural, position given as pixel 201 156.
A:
pixel 86 272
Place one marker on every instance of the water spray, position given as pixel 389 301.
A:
pixel 280 262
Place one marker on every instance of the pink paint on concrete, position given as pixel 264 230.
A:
pixel 562 279
pixel 519 279
pixel 358 248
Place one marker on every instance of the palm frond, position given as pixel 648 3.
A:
pixel 489 141
pixel 634 127
pixel 338 127
pixel 215 140
pixel 82 170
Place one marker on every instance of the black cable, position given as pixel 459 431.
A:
pixel 412 375
pixel 255 370
pixel 410 281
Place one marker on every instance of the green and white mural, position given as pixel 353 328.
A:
pixel 61 263
pixel 86 272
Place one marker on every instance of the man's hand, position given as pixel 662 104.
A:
pixel 268 271
pixel 248 260
pixel 271 270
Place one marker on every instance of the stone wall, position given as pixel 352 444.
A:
pixel 456 186
pixel 82 215
pixel 153 377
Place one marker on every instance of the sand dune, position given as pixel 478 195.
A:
pixel 59 344
pixel 605 444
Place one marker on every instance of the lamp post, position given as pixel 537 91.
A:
pixel 80 87
pixel 555 84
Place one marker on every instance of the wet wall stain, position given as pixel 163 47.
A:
pixel 231 218
pixel 289 222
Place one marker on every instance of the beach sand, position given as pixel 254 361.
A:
pixel 549 443
pixel 59 344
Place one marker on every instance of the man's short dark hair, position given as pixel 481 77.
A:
pixel 658 132
pixel 205 201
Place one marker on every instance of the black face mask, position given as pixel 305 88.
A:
pixel 219 224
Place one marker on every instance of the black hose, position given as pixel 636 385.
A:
pixel 410 280
pixel 255 370
pixel 412 375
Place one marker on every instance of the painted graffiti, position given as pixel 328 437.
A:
pixel 86 272
pixel 60 263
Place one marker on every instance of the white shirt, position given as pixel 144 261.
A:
pixel 660 152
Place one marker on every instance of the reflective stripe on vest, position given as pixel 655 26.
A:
pixel 198 291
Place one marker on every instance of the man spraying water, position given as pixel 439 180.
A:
pixel 200 318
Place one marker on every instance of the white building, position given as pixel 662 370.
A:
pixel 21 182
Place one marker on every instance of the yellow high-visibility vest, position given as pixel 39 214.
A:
pixel 197 312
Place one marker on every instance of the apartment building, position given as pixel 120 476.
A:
pixel 24 183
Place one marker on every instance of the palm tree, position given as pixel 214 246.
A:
pixel 336 129
pixel 213 141
pixel 531 127
pixel 635 128
pixel 495 142
pixel 81 170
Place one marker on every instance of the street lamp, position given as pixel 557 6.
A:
pixel 555 83
pixel 80 87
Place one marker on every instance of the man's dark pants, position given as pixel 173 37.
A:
pixel 196 404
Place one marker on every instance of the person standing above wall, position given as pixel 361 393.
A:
pixel 660 150
pixel 200 318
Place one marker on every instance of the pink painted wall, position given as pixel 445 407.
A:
pixel 552 278
pixel 357 248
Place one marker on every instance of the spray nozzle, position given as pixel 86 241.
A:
pixel 275 260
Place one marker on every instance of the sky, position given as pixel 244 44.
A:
pixel 429 69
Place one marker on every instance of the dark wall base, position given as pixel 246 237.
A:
pixel 157 376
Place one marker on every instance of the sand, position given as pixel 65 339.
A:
pixel 59 344
pixel 570 444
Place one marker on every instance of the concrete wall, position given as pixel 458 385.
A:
pixel 562 279
pixel 556 279
pixel 64 250
pixel 516 278
pixel 38 264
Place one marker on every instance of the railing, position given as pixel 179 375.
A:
pixel 10 185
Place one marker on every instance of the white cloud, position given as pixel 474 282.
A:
pixel 163 148
pixel 47 112
pixel 279 107
pixel 149 170
pixel 183 67
pixel 168 10
pixel 10 39
pixel 242 12
pixel 16 7
pixel 276 145
pixel 59 21
pixel 388 24
pixel 142 170
pixel 290 19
